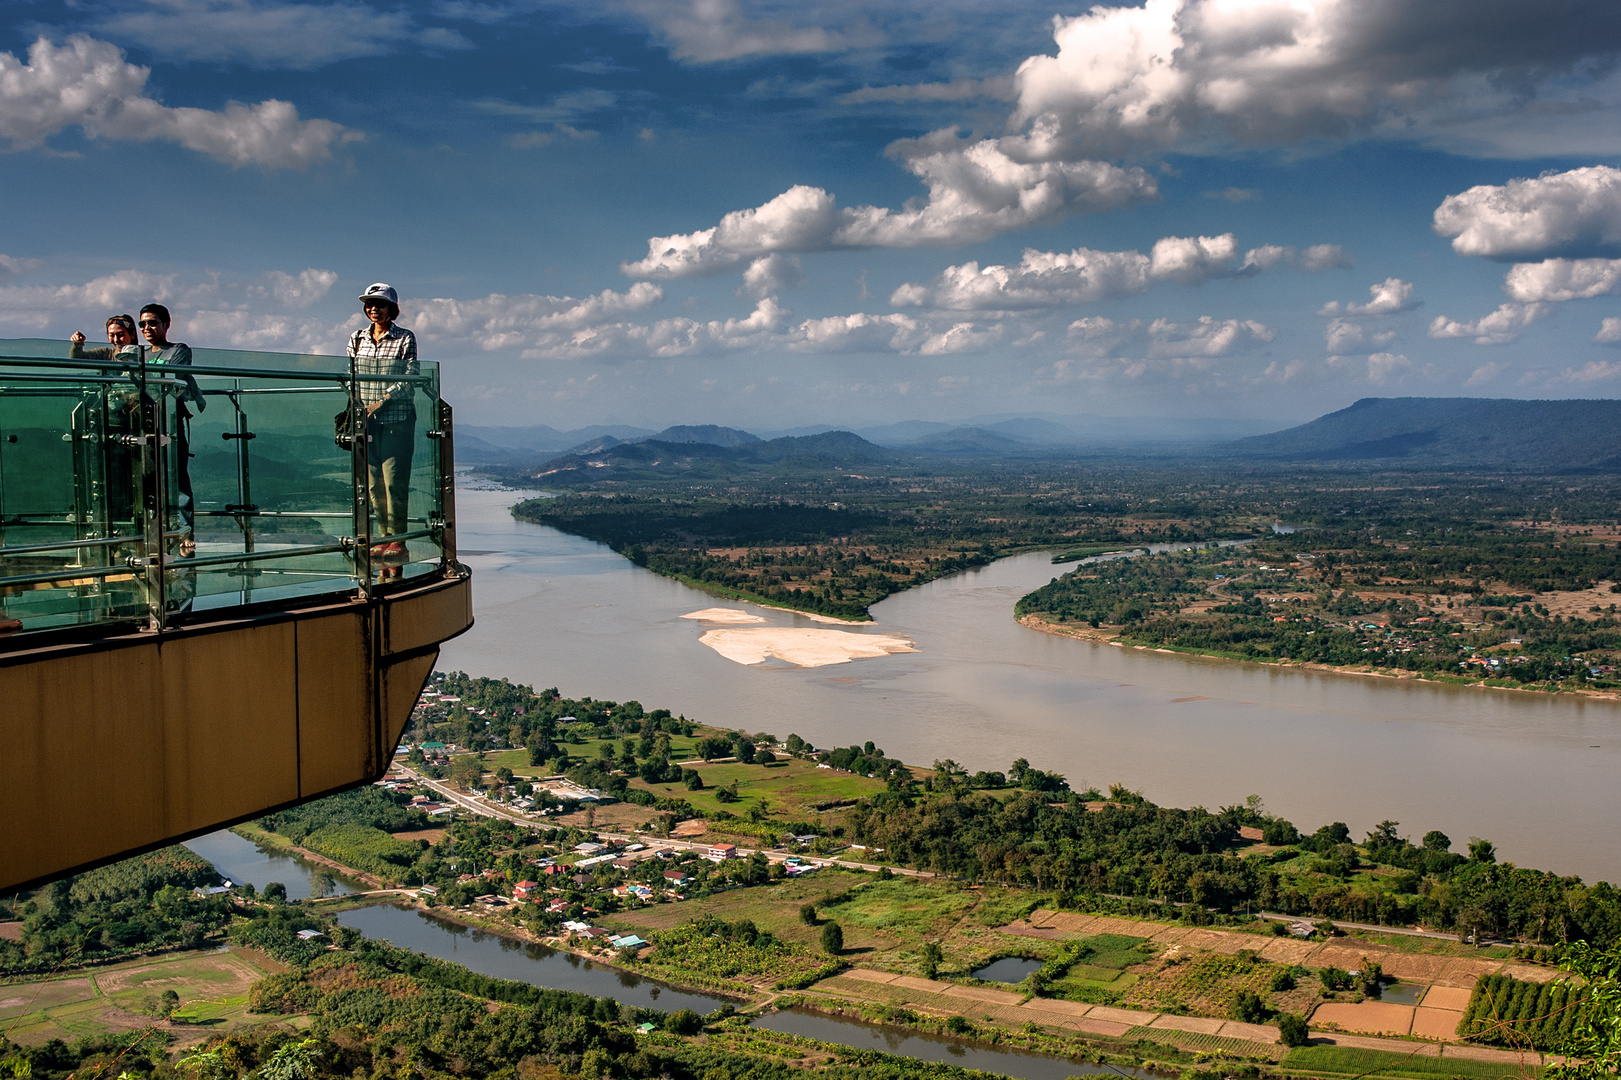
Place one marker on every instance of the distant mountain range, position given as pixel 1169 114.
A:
pixel 477 444
pixel 1572 436
pixel 818 453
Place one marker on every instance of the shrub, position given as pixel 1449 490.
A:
pixel 1249 1007
pixel 1282 979
pixel 1334 978
pixel 932 956
pixel 832 938
pixel 1292 1030
pixel 684 1022
pixel 807 914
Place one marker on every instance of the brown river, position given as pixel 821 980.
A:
pixel 1535 774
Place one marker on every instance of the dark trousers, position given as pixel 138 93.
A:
pixel 182 475
pixel 388 458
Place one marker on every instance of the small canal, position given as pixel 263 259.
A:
pixel 503 958
pixel 242 860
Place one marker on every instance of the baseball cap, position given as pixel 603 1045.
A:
pixel 381 291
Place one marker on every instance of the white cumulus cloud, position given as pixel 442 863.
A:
pixel 1206 337
pixel 253 314
pixel 1195 73
pixel 1569 213
pixel 1609 332
pixel 88 84
pixel 856 333
pixel 770 274
pixel 301 291
pixel 500 322
pixel 1047 279
pixel 975 192
pixel 1391 296
pixel 1560 280
pixel 1384 365
pixel 1498 328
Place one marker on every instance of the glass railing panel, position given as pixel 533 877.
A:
pixel 93 525
pixel 272 489
pixel 78 491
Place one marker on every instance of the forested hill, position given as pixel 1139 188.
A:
pixel 1499 433
pixel 659 458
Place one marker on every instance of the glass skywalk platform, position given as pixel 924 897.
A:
pixel 92 527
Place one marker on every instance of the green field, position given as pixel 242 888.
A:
pixel 213 990
pixel 885 922
pixel 1347 1061
pixel 792 787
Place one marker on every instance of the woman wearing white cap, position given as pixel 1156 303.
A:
pixel 383 351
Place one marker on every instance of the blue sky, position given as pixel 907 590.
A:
pixel 773 214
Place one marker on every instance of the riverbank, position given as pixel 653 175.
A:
pixel 1104 636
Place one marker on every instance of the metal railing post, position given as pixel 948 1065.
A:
pixel 154 497
pixel 362 483
pixel 447 483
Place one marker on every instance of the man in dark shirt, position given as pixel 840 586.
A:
pixel 155 322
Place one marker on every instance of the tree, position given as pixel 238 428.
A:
pixel 1384 835
pixel 832 938
pixel 168 1002
pixel 293 1061
pixel 1248 1007
pixel 1593 1049
pixel 276 893
pixel 1292 1030
pixel 467 770
pixel 1482 851
pixel 694 781
pixel 807 914
pixel 1436 840
pixel 684 1022
pixel 931 959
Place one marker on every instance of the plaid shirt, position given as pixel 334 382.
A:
pixel 396 355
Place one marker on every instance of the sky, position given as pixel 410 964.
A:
pixel 771 215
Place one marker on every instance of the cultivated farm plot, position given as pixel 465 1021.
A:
pixel 884 922
pixel 773 908
pixel 213 990
pixel 1201 1043
pixel 1204 986
pixel 1354 1062
pixel 793 788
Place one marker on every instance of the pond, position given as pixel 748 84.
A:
pixel 1009 969
pixel 1401 993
